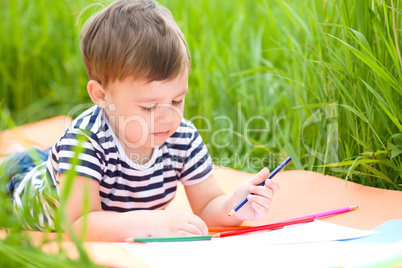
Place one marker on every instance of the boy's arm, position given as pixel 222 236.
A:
pixel 209 201
pixel 116 226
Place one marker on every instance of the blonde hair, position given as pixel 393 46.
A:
pixel 139 39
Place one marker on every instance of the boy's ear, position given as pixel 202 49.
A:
pixel 97 93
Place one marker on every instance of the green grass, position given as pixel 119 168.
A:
pixel 319 81
pixel 323 78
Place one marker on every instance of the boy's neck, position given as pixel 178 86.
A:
pixel 139 156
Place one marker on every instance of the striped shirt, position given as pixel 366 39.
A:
pixel 124 184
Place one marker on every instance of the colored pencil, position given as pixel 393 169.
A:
pixel 329 212
pixel 270 226
pixel 270 176
pixel 218 229
pixel 168 239
pixel 242 230
pixel 317 215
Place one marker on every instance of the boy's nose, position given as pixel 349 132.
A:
pixel 164 114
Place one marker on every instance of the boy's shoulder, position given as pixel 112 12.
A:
pixel 88 119
pixel 92 123
pixel 187 125
pixel 185 129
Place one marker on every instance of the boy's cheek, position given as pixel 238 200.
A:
pixel 135 131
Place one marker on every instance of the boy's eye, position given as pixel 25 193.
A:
pixel 146 109
pixel 177 103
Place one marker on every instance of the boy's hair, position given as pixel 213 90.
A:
pixel 137 39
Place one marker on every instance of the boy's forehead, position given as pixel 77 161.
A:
pixel 182 77
pixel 152 91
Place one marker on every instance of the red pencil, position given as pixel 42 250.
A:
pixel 329 213
pixel 218 229
pixel 263 227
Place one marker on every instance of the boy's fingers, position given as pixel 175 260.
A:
pixel 259 209
pixel 259 177
pixel 185 233
pixel 190 229
pixel 260 200
pixel 262 191
pixel 199 224
pixel 272 185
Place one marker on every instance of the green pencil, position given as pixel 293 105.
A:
pixel 168 239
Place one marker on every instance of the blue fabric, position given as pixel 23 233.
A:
pixel 15 168
pixel 34 205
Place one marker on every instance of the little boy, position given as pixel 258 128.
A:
pixel 134 143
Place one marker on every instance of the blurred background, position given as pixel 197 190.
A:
pixel 319 81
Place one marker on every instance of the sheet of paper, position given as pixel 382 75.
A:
pixel 312 244
pixel 388 232
pixel 320 254
pixel 316 231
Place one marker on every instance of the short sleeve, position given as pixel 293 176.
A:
pixel 198 164
pixel 82 147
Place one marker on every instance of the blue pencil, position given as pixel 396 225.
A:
pixel 270 176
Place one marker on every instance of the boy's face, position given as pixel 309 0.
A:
pixel 143 114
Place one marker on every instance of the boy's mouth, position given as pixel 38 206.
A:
pixel 161 133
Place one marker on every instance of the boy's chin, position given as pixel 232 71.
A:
pixel 158 140
pixel 157 143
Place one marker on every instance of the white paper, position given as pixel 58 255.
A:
pixel 316 231
pixel 320 254
pixel 304 245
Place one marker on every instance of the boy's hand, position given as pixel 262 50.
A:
pixel 259 201
pixel 177 223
